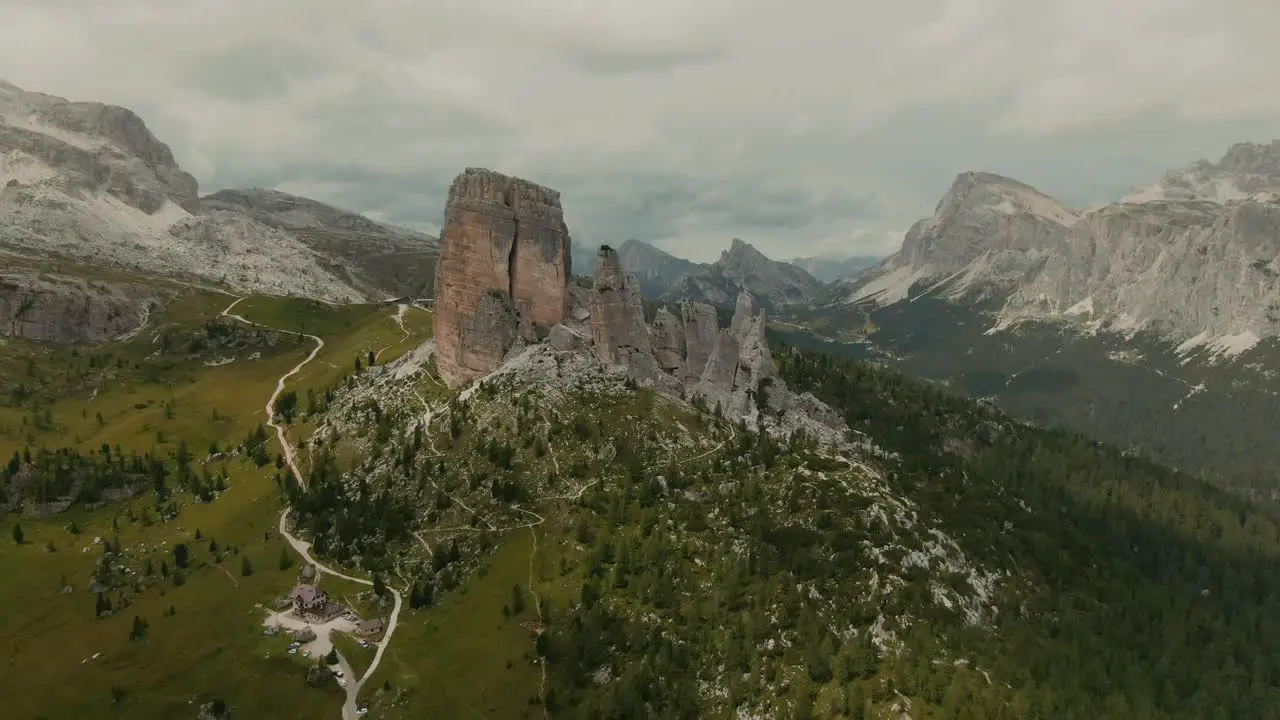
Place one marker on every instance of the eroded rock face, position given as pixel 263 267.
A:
pixel 617 312
pixel 69 310
pixel 564 339
pixel 667 338
pixel 731 368
pixel 700 332
pixel 504 262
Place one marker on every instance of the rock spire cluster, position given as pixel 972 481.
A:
pixel 504 282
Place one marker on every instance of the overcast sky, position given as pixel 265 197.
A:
pixel 801 126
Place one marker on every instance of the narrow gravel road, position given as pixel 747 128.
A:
pixel 303 547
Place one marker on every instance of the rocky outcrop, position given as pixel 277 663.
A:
pixel 69 310
pixel 504 282
pixel 700 331
pixel 691 356
pixel 617 312
pixel 667 339
pixel 504 261
pixel 382 260
pixel 741 366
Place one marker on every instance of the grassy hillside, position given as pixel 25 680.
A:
pixel 570 545
pixel 655 561
pixel 155 394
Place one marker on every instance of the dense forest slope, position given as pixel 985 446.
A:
pixel 1147 593
pixel 657 560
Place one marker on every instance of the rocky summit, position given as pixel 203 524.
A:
pixel 504 270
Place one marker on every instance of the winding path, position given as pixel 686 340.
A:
pixel 302 547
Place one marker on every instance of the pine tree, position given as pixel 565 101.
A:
pixel 140 628
pixel 17 533
pixel 246 567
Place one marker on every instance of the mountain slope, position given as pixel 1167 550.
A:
pixel 89 182
pixel 657 271
pixel 1147 324
pixel 382 260
pixel 660 561
pixel 830 268
pixel 986 234
pixel 1194 270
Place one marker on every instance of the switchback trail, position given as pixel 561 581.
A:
pixel 302 547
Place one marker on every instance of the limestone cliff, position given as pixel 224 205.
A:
pixel 1194 259
pixel 89 183
pixel 617 312
pixel 57 309
pixel 504 261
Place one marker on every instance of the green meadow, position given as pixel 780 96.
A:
pixel 201 627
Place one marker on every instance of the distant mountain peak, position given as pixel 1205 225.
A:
pixel 984 191
pixel 740 250
pixel 1245 170
pixel 1168 258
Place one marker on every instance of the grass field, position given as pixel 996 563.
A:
pixel 210 645
pixel 465 657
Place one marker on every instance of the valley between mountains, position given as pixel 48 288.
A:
pixel 270 459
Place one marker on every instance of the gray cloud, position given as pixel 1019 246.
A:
pixel 803 126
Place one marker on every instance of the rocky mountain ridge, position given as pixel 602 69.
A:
pixel 1245 169
pixel 667 278
pixel 656 270
pixel 1196 270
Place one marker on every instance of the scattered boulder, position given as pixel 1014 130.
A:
pixel 564 339
pixel 215 710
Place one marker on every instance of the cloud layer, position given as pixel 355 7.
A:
pixel 803 126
